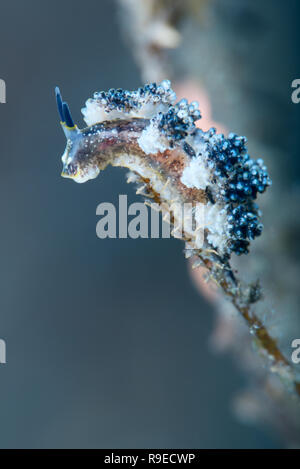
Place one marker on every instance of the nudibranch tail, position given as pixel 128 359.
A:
pixel 157 139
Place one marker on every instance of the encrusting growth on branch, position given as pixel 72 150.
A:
pixel 176 162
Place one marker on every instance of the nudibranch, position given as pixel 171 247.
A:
pixel 156 138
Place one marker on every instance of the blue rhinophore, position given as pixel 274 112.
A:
pixel 63 109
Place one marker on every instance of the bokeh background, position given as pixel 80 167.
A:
pixel 107 340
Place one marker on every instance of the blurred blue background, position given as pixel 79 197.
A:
pixel 107 340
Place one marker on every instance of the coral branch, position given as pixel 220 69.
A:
pixel 175 162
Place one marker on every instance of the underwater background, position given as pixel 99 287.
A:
pixel 108 340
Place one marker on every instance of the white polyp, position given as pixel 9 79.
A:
pixel 152 140
pixel 137 165
pixel 216 223
pixel 196 174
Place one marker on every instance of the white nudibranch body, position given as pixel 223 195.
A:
pixel 145 131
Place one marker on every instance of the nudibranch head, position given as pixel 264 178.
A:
pixel 157 139
pixel 75 159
